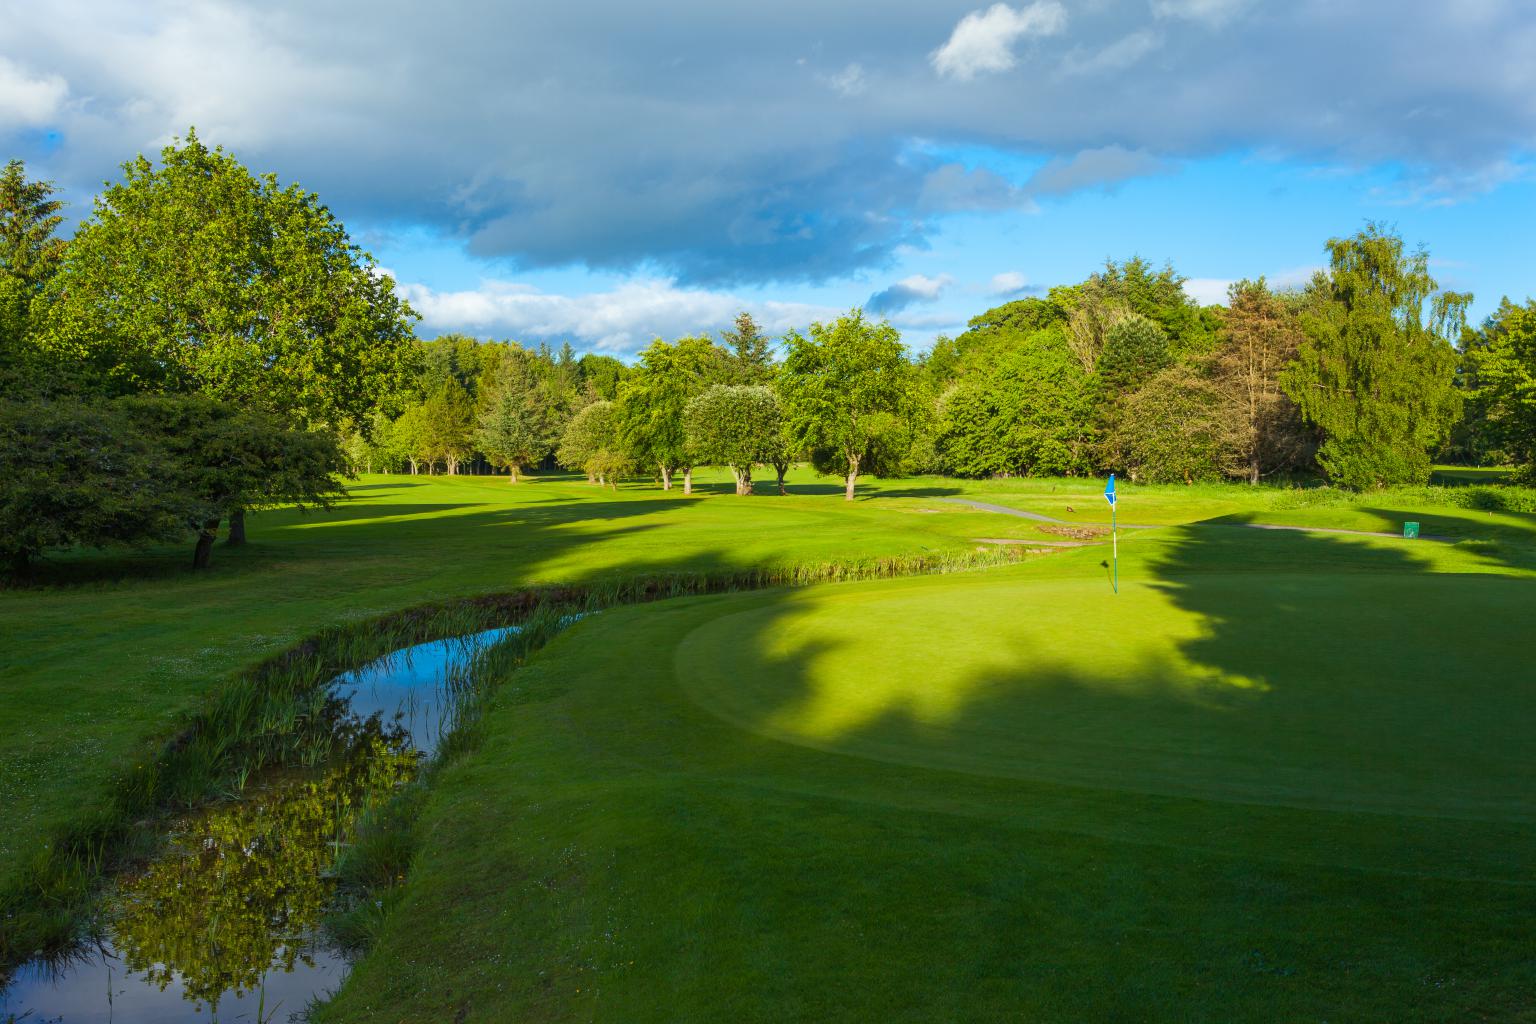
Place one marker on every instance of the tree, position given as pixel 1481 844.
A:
pixel 652 403
pixel 844 389
pixel 592 444
pixel 1028 409
pixel 220 457
pixel 29 257
pixel 1174 428
pixel 514 429
pixel 1260 338
pixel 750 360
pixel 1501 363
pixel 198 277
pixel 1134 350
pixel 1376 371
pixel 76 474
pixel 734 425
pixel 444 427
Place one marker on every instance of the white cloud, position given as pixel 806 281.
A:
pixel 1117 56
pixel 984 40
pixel 620 321
pixel 1010 282
pixel 27 100
pixel 1214 13
pixel 850 81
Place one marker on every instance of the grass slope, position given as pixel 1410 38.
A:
pixel 1281 776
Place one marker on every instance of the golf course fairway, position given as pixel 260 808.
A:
pixel 1278 776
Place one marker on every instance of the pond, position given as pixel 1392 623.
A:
pixel 224 923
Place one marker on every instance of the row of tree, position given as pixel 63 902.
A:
pixel 1363 376
pixel 210 341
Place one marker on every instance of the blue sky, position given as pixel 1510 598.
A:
pixel 607 172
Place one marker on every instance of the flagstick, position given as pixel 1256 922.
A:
pixel 1114 534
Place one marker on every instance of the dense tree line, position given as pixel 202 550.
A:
pixel 211 341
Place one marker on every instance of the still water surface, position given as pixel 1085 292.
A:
pixel 223 925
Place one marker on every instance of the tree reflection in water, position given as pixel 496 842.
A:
pixel 241 888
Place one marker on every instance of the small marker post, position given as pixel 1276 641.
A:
pixel 1114 532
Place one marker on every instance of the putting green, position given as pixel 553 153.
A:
pixel 1406 694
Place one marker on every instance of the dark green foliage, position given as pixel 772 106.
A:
pixel 1499 371
pixel 74 474
pixel 29 257
pixel 750 360
pixel 1377 372
pixel 1134 350
pixel 1174 429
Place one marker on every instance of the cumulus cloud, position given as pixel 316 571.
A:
pixel 619 321
pixel 906 292
pixel 26 99
pixel 1100 168
pixel 984 40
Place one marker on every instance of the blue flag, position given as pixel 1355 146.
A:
pixel 1109 490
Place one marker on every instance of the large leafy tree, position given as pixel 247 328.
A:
pixel 1026 409
pixel 197 276
pixel 652 406
pixel 30 254
pixel 1376 371
pixel 845 388
pixel 737 426
pixel 1175 428
pixel 592 444
pixel 1501 367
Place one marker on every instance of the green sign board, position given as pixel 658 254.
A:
pixel 1410 529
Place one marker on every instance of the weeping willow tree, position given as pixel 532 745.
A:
pixel 1376 371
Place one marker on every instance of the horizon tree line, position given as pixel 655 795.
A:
pixel 210 341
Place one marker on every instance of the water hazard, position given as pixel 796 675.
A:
pixel 224 924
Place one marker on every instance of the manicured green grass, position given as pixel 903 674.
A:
pixel 1280 776
pixel 1278 770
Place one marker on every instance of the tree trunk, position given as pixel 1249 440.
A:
pixel 781 468
pixel 236 535
pixel 743 480
pixel 591 479
pixel 512 474
pixel 853 478
pixel 666 478
pixel 203 553
pixel 688 480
